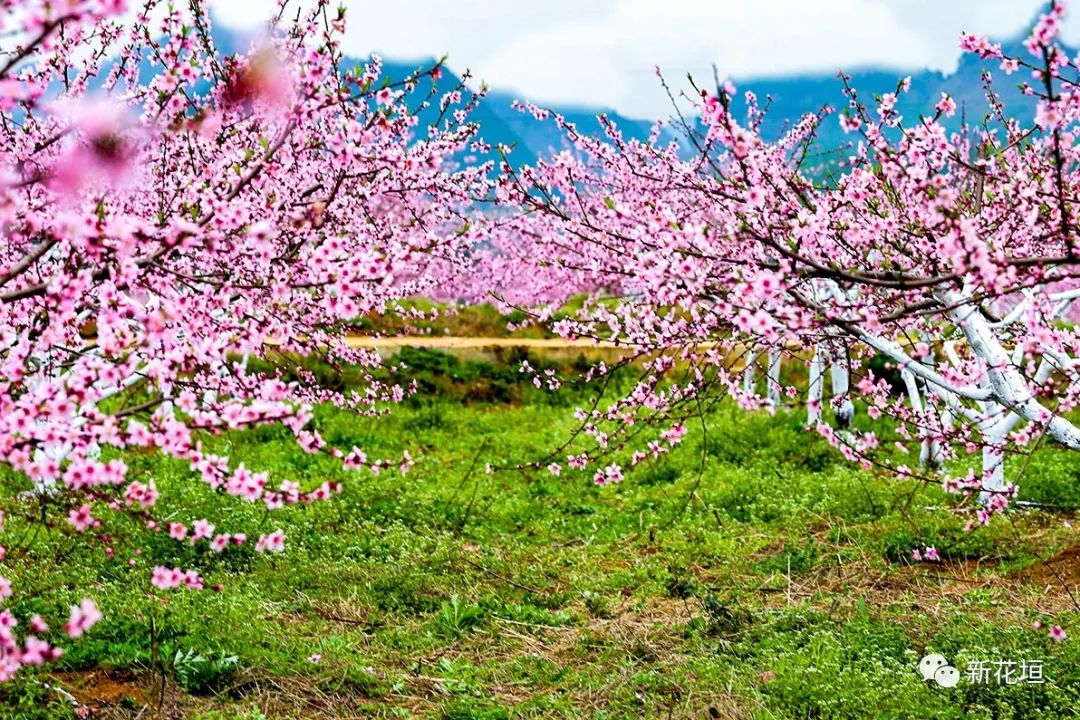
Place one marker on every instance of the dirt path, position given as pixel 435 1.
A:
pixel 450 342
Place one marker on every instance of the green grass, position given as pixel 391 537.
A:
pixel 448 319
pixel 756 574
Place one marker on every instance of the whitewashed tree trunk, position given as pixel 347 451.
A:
pixel 843 409
pixel 816 392
pixel 1006 384
pixel 772 393
pixel 993 467
pixel 915 399
pixel 1000 422
pixel 749 380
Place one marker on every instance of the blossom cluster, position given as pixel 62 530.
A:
pixel 174 239
pixel 949 258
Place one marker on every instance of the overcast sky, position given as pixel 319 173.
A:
pixel 601 53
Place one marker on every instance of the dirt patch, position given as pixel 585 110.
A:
pixel 1062 568
pixel 922 588
pixel 494 349
pixel 124 695
pixel 104 687
pixel 342 612
pixel 446 342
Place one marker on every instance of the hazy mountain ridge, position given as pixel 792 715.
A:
pixel 787 99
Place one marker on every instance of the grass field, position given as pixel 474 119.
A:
pixel 750 574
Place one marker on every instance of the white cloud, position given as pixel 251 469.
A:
pixel 602 52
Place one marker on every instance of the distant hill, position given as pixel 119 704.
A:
pixel 787 99
pixel 500 123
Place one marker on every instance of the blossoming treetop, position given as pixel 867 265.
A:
pixel 168 214
pixel 953 255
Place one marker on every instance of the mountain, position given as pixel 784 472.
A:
pixel 791 97
pixel 787 99
pixel 500 123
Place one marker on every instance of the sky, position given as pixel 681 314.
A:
pixel 603 53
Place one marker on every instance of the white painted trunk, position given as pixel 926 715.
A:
pixel 773 391
pixel 993 468
pixel 937 455
pixel 815 393
pixel 1008 385
pixel 915 398
pixel 842 406
pixel 748 380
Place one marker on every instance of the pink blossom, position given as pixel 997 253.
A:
pixel 1048 116
pixel 674 434
pixel 164 578
pixel 83 617
pixel 80 518
pixel 201 530
pixel 102 149
pixel 38 652
pixel 274 542
pixel 946 106
pixel 610 475
pixel 113 7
